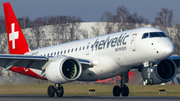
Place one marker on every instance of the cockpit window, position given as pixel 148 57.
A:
pixel 157 34
pixel 154 34
pixel 145 35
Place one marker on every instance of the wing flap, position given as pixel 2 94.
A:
pixel 22 57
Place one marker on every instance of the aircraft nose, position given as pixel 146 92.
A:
pixel 168 48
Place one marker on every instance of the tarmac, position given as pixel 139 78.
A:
pixel 84 98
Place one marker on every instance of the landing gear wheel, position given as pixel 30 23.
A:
pixel 116 91
pixel 51 91
pixel 60 91
pixel 125 91
pixel 148 81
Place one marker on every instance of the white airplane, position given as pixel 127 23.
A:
pixel 102 57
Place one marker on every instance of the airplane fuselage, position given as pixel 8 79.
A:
pixel 112 54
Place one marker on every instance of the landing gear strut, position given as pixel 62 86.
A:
pixel 58 89
pixel 148 80
pixel 123 89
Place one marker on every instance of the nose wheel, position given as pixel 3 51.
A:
pixel 57 89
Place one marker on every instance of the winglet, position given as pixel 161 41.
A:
pixel 16 40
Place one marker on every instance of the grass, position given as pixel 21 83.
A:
pixel 82 89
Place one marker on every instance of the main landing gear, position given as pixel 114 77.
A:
pixel 123 89
pixel 58 89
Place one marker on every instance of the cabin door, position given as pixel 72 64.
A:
pixel 133 42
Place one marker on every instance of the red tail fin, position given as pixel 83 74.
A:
pixel 16 40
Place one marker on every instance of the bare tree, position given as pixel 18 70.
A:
pixel 65 28
pixel 60 24
pixel 84 33
pixel 176 38
pixel 74 28
pixel 24 22
pixel 106 26
pixel 108 22
pixel 96 30
pixel 164 19
pixel 2 25
pixel 121 16
pixel 37 30
pixel 4 44
pixel 135 21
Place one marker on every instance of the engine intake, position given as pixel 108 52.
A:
pixel 163 71
pixel 70 69
pixel 63 69
pixel 166 70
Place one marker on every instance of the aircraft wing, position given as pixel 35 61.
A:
pixel 176 59
pixel 30 61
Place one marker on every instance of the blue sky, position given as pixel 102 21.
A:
pixel 90 10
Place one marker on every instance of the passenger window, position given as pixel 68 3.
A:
pixel 54 53
pixel 64 51
pixel 87 47
pixel 80 49
pixel 61 52
pixel 44 54
pixel 51 54
pixel 72 50
pixel 68 50
pixel 145 35
pixel 83 47
pixel 76 49
pixel 48 55
pixel 58 53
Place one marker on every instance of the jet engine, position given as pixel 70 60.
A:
pixel 63 69
pixel 162 71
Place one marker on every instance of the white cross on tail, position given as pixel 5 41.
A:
pixel 13 35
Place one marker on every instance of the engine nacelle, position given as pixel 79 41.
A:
pixel 163 71
pixel 63 69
